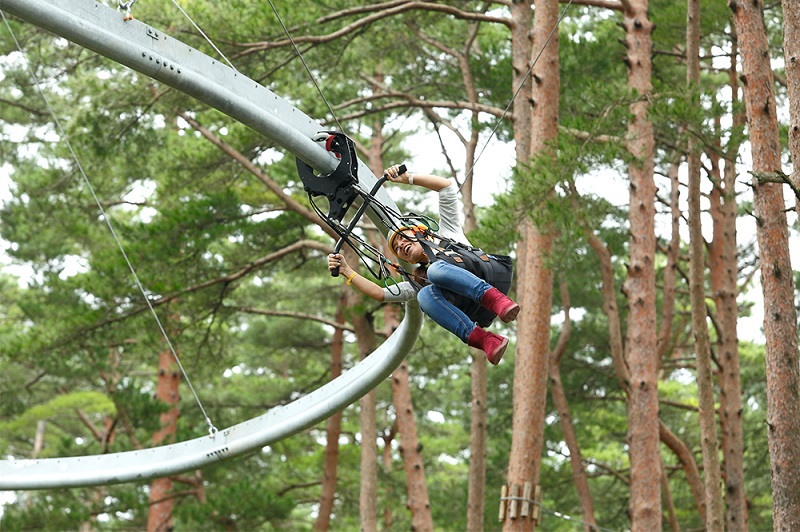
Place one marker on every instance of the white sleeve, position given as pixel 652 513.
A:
pixel 400 293
pixel 450 213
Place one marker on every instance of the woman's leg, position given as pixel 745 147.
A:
pixel 444 313
pixel 467 284
pixel 458 280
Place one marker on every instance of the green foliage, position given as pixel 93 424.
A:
pixel 60 406
pixel 77 334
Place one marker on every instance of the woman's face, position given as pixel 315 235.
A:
pixel 407 248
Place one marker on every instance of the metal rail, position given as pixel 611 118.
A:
pixel 152 52
pixel 251 435
pixel 149 51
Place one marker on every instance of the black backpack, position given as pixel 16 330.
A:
pixel 497 270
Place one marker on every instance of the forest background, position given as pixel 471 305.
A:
pixel 221 234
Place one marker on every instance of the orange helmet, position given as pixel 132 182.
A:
pixel 392 235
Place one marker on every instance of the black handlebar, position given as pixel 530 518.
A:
pixel 402 170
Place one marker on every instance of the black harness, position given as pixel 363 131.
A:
pixel 497 270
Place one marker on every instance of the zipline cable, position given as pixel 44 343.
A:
pixel 514 97
pixel 211 428
pixel 300 55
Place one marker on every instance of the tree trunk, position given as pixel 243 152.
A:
pixel 477 446
pixel 667 494
pixel 611 311
pixel 333 429
pixel 565 419
pixel 161 504
pixel 670 268
pixel 365 337
pixel 521 51
pixel 723 262
pixel 368 506
pixel 391 320
pixel 686 459
pixel 387 469
pixel 368 497
pixel 697 290
pixel 411 451
pixel 476 491
pixel 791 54
pixel 780 316
pixel 535 279
pixel 642 355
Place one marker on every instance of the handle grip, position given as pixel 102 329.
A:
pixel 402 169
pixel 335 271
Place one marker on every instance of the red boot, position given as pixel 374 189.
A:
pixel 490 343
pixel 500 304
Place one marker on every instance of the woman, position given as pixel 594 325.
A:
pixel 451 274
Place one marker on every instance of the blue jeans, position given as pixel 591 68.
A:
pixel 442 274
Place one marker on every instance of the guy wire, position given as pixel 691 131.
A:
pixel 300 55
pixel 63 134
pixel 206 37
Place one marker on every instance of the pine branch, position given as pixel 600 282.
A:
pixel 778 176
pixel 395 9
pixel 291 314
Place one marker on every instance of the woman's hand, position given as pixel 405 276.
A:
pixel 337 261
pixel 365 286
pixel 394 175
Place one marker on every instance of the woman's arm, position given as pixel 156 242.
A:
pixel 431 182
pixel 364 285
pixel 449 203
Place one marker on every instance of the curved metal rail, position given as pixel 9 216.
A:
pixel 251 435
pixel 136 45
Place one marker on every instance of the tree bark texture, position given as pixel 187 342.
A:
pixel 668 294
pixel 697 289
pixel 723 263
pixel 535 279
pixel 687 461
pixel 368 506
pixel 780 316
pixel 391 320
pixel 641 352
pixel 365 338
pixel 521 51
pixel 161 505
pixel 669 503
pixel 530 372
pixel 333 429
pixel 411 451
pixel 476 490
pixel 365 334
pixel 791 55
pixel 477 448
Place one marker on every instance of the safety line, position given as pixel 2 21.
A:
pixel 313 80
pixel 212 429
pixel 207 38
pixel 519 89
pixel 575 520
pixel 590 526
